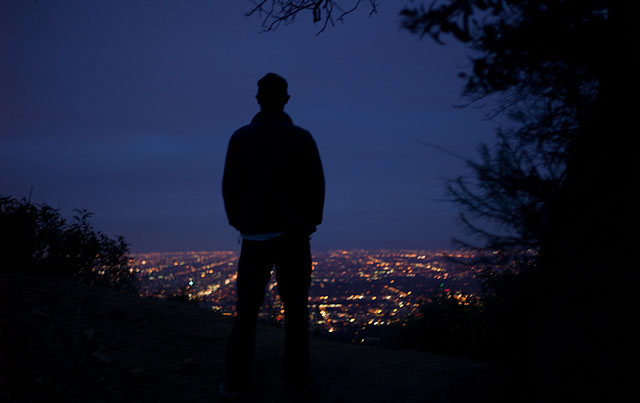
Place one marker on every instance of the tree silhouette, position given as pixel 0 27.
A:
pixel 543 64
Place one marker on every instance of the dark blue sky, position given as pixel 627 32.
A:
pixel 125 108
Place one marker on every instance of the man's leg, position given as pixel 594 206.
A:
pixel 254 271
pixel 293 273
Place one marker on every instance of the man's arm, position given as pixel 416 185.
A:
pixel 230 185
pixel 317 188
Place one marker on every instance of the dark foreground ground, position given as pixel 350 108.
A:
pixel 65 341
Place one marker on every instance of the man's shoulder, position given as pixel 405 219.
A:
pixel 301 131
pixel 242 132
pixel 245 129
pixel 253 129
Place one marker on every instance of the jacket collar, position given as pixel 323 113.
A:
pixel 271 117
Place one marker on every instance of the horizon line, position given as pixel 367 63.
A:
pixel 322 250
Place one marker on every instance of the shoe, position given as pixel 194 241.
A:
pixel 225 392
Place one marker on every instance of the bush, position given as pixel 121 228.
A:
pixel 445 325
pixel 495 327
pixel 36 238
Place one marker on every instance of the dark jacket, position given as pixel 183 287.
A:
pixel 273 180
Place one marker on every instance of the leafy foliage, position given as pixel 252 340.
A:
pixel 445 325
pixel 491 326
pixel 541 64
pixel 35 238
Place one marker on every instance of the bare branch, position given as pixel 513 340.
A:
pixel 326 12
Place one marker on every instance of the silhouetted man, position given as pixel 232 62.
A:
pixel 273 189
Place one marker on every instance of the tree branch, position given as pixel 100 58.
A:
pixel 326 12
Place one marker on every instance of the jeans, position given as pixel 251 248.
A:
pixel 291 255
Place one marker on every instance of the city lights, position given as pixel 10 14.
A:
pixel 353 295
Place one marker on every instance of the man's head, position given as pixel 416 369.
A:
pixel 272 93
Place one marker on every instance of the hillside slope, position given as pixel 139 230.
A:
pixel 65 341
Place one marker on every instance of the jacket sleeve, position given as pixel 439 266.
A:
pixel 317 188
pixel 230 185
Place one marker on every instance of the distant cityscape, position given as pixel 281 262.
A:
pixel 354 295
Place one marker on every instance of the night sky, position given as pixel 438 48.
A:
pixel 125 108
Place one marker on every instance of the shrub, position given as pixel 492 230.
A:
pixel 496 326
pixel 36 238
pixel 445 325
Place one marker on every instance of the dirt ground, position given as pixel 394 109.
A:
pixel 62 340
